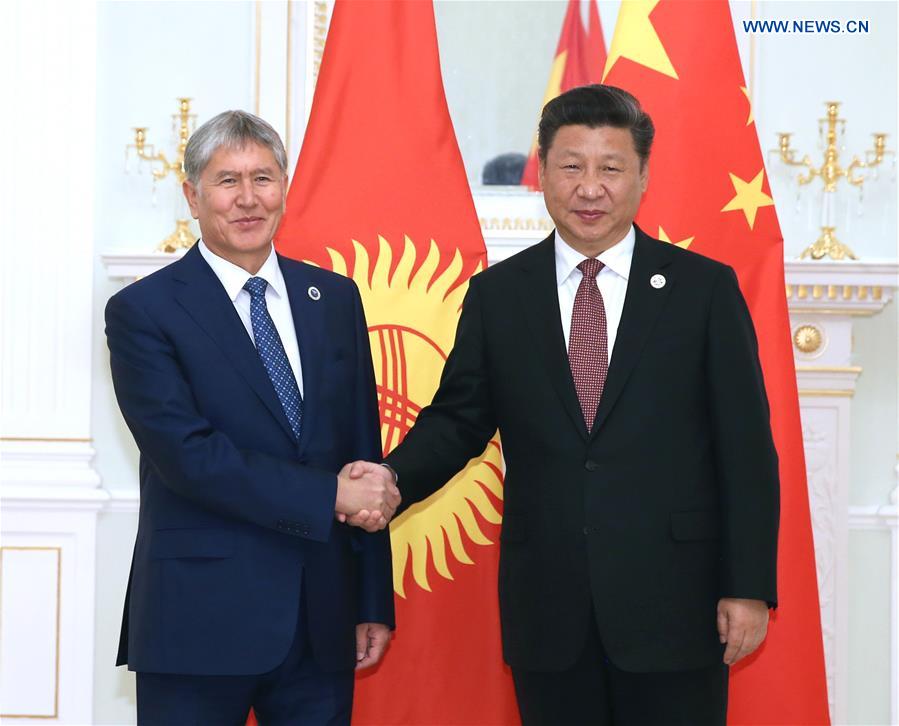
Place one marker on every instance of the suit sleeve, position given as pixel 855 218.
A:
pixel 194 459
pixel 460 420
pixel 746 459
pixel 375 572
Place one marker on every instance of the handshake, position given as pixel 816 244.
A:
pixel 367 495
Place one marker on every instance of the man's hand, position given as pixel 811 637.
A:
pixel 367 496
pixel 365 519
pixel 371 642
pixel 742 624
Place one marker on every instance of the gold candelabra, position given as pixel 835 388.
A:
pixel 184 121
pixel 830 172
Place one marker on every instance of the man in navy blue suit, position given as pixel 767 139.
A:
pixel 246 380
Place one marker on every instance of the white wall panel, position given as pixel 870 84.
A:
pixel 48 198
pixel 40 591
pixel 29 631
pixel 48 486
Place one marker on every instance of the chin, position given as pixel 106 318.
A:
pixel 254 245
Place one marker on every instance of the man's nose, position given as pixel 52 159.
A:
pixel 591 187
pixel 246 194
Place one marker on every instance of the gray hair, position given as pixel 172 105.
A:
pixel 234 129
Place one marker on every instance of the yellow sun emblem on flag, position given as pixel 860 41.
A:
pixel 412 315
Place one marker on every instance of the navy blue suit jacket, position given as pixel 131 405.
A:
pixel 236 516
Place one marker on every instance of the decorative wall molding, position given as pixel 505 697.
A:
pixel 50 496
pixel 47 463
pixel 878 517
pixel 47 274
pixel 49 490
pixel 122 501
pixel 872 516
pixel 132 266
pixel 67 526
pixel 30 589
pixel 846 288
pixel 826 463
pixel 825 298
pixel 281 39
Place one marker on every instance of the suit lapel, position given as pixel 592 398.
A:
pixel 642 305
pixel 539 297
pixel 201 294
pixel 309 322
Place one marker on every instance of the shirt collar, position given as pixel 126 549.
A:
pixel 233 278
pixel 617 258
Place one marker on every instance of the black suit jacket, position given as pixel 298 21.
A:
pixel 668 504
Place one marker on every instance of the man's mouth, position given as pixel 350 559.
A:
pixel 589 215
pixel 246 222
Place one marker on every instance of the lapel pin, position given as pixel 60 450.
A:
pixel 657 281
pixel 315 293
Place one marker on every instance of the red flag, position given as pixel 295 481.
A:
pixel 708 192
pixel 380 194
pixel 580 58
pixel 596 45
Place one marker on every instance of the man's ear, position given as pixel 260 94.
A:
pixel 644 176
pixel 190 194
pixel 541 168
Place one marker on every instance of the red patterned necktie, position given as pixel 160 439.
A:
pixel 588 342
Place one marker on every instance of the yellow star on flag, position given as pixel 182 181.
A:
pixel 636 38
pixel 683 244
pixel 751 118
pixel 749 197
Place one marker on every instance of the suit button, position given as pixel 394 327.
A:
pixel 586 530
pixel 591 465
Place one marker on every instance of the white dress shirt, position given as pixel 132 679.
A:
pixel 233 279
pixel 611 280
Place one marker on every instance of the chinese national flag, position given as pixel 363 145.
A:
pixel 708 192
pixel 580 57
pixel 380 195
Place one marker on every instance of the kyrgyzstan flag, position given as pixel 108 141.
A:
pixel 580 58
pixel 380 195
pixel 708 192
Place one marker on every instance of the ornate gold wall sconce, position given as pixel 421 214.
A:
pixel 184 122
pixel 830 172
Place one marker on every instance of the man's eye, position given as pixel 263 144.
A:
pixel 263 179
pixel 611 168
pixel 228 180
pixel 571 166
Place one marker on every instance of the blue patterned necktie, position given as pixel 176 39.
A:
pixel 271 351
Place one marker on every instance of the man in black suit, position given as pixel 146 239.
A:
pixel 638 547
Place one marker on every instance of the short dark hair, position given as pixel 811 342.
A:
pixel 594 106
